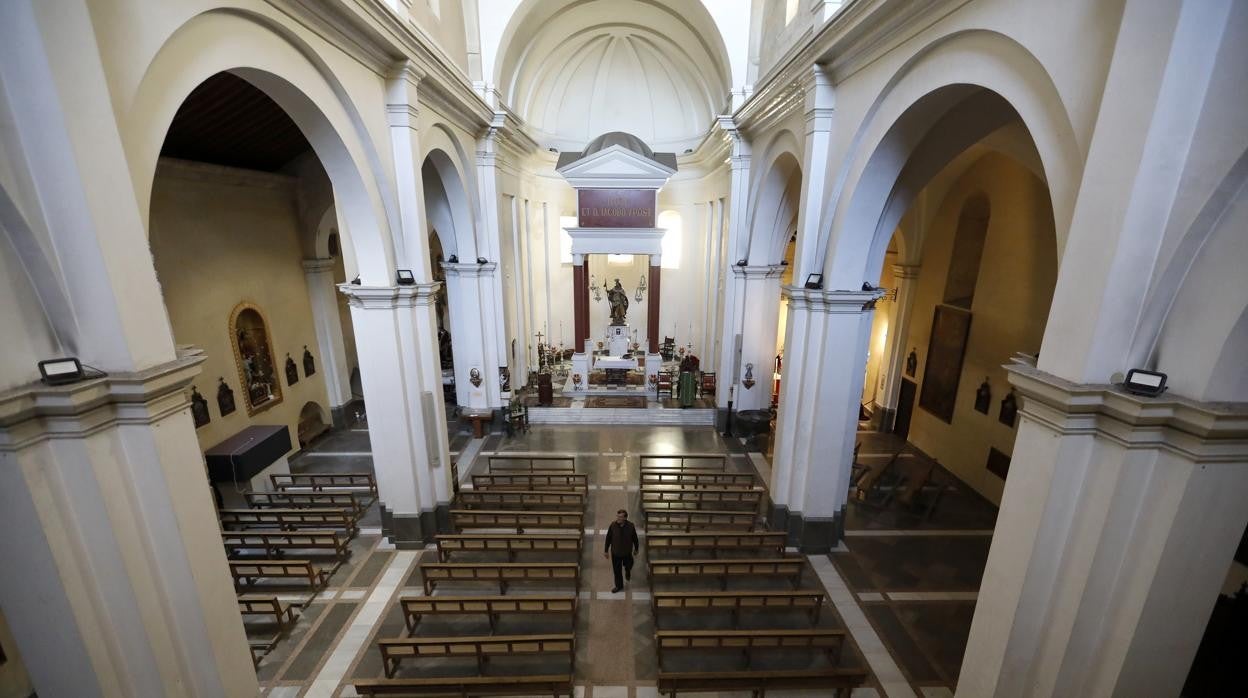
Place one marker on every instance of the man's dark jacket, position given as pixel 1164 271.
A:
pixel 622 537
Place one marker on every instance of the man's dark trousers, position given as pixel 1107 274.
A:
pixel 618 565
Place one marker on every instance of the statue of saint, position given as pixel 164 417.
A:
pixel 619 303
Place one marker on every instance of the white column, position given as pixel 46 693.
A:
pixel 760 301
pixel 817 420
pixel 1118 523
pixel 738 239
pixel 820 116
pixel 473 327
pixel 490 282
pixel 898 332
pixel 402 391
pixel 332 359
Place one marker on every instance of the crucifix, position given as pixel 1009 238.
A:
pixel 541 352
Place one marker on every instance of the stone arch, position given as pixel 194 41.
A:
pixel 59 327
pixel 966 85
pixel 273 59
pixel 775 197
pixel 448 206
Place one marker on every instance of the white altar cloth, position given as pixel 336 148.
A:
pixel 627 362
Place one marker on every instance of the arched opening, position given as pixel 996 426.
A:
pixel 312 423
pixel 960 232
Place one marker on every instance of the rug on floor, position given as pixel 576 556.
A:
pixel 634 401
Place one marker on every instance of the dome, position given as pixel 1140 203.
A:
pixel 627 140
pixel 576 69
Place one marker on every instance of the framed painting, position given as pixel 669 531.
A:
pixel 951 327
pixel 253 355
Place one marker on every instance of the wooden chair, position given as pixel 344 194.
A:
pixel 706 386
pixel 664 384
pixel 668 348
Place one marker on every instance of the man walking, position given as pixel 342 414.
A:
pixel 622 544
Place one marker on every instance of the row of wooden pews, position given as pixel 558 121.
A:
pixel 703 529
pixel 296 535
pixel 520 523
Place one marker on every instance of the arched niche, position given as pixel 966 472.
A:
pixel 254 358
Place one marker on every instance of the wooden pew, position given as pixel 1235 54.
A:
pixel 519 520
pixel 531 463
pixel 479 647
pixel 247 572
pixel 288 519
pixel 519 499
pixel 508 542
pixel 734 602
pixel 320 482
pixel 657 479
pixel 274 543
pixel 290 499
pixel 747 641
pixel 841 681
pixel 558 482
pixel 788 567
pixel 660 542
pixel 416 607
pixel 268 606
pixel 685 461
pixel 504 573
pixel 689 520
pixel 555 686
pixel 653 499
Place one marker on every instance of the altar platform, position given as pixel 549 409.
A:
pixel 600 408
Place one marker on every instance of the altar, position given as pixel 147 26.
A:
pixel 615 362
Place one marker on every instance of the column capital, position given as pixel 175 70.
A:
pixel 318 265
pixel 389 297
pixel 1199 431
pixel 906 271
pixel 765 271
pixel 831 302
pixel 37 412
pixel 470 270
pixel 820 98
pixel 402 94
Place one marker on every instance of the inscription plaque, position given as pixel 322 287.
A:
pixel 615 208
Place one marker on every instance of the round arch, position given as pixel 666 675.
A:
pixel 448 207
pixel 272 59
pixel 775 211
pixel 945 79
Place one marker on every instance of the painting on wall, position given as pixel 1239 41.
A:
pixel 225 398
pixel 199 408
pixel 983 397
pixel 292 371
pixel 253 354
pixel 945 350
pixel 309 363
pixel 1009 410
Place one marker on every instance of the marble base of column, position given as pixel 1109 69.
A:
pixel 811 536
pixel 887 415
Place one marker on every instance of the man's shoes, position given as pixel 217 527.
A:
pixel 616 590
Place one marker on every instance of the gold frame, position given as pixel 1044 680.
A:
pixel 253 410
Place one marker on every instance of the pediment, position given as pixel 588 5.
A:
pixel 616 163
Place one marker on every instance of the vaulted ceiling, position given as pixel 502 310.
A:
pixel 228 121
pixel 574 70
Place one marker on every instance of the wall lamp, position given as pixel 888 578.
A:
pixel 404 277
pixel 814 281
pixel 453 260
pixel 482 260
pixel 61 371
pixel 742 262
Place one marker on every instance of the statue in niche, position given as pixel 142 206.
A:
pixel 618 299
pixel 309 364
pixel 253 353
pixel 225 398
pixel 912 363
pixel 199 408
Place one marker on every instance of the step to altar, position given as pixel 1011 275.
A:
pixel 653 414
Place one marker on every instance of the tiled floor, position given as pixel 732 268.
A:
pixel 904 587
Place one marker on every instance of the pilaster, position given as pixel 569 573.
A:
pixel 760 302
pixel 473 330
pixel 820 116
pixel 906 276
pixel 319 274
pixel 394 328
pixel 1118 523
pixel 817 419
pixel 738 240
pixel 403 120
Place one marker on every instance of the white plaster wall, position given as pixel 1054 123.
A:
pixel 216 244
pixel 1012 296
pixel 30 338
pixel 777 36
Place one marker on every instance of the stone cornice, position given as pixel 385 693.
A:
pixel 470 270
pixel 36 412
pixel 832 302
pixel 318 265
pixel 758 271
pixel 861 32
pixel 1202 431
pixel 377 37
pixel 390 297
